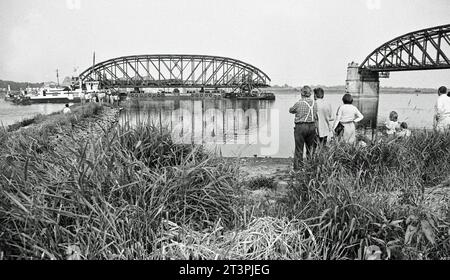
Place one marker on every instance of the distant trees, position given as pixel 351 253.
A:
pixel 19 85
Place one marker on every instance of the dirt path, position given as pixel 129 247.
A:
pixel 88 128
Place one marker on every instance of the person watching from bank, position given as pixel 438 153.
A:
pixel 392 125
pixel 305 111
pixel 325 116
pixel 404 131
pixel 347 116
pixel 67 110
pixel 441 119
pixel 82 97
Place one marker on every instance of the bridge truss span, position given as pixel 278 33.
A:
pixel 419 50
pixel 187 71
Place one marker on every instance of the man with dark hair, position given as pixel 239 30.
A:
pixel 305 112
pixel 441 119
pixel 324 116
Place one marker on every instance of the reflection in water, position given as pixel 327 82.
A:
pixel 218 122
pixel 252 127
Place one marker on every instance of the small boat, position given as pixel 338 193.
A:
pixel 53 95
pixel 21 100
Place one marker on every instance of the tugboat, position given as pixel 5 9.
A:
pixel 21 100
pixel 17 97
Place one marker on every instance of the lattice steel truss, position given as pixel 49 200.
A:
pixel 187 71
pixel 420 50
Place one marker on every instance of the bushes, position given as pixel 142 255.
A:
pixel 155 147
pixel 374 189
pixel 104 200
pixel 262 182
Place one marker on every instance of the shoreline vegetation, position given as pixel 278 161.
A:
pixel 81 186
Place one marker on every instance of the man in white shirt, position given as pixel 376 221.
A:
pixel 442 110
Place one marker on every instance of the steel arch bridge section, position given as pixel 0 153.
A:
pixel 187 71
pixel 425 49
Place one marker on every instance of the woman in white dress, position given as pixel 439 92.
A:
pixel 348 115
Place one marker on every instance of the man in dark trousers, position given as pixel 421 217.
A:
pixel 305 132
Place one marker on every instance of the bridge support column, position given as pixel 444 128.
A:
pixel 364 86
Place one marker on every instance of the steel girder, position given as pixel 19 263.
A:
pixel 188 71
pixel 419 50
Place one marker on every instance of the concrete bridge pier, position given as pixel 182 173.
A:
pixel 364 86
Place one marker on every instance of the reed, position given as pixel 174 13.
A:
pixel 103 197
pixel 132 193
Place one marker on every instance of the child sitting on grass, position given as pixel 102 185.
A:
pixel 404 131
pixel 392 125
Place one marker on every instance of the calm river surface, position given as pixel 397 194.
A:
pixel 10 113
pixel 262 128
pixel 237 128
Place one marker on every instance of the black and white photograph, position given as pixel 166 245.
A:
pixel 224 131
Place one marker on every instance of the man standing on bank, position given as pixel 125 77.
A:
pixel 305 131
pixel 442 110
pixel 325 117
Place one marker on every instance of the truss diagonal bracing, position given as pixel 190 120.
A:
pixel 420 50
pixel 188 71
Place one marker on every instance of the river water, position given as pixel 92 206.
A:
pixel 10 113
pixel 261 128
pixel 237 128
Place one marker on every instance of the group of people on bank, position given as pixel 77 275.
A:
pixel 99 97
pixel 315 121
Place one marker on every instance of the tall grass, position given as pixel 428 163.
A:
pixel 131 193
pixel 363 196
pixel 106 197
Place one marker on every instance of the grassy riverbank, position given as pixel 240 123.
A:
pixel 131 193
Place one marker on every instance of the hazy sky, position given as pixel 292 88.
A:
pixel 294 41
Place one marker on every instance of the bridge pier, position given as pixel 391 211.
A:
pixel 364 86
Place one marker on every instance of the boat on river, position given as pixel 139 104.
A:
pixel 49 94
